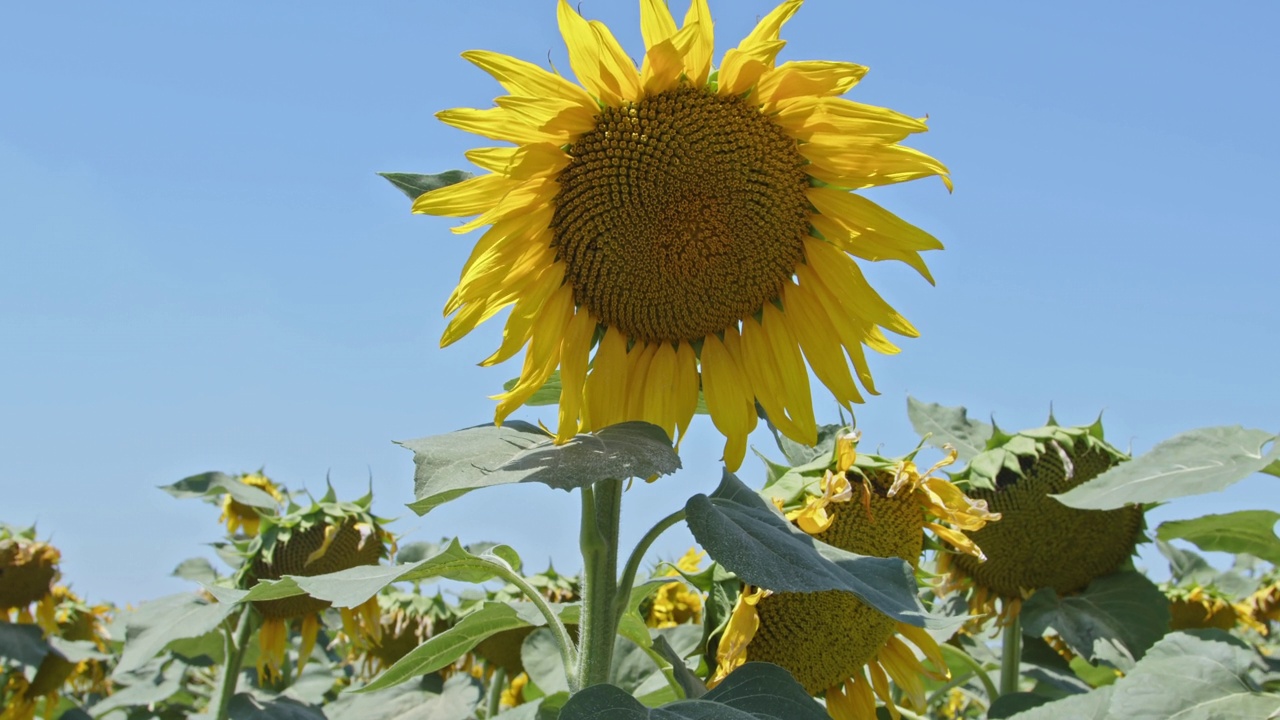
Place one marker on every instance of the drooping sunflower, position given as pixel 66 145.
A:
pixel 1206 606
pixel 1040 543
pixel 831 642
pixel 326 537
pixel 406 621
pixel 675 603
pixel 28 571
pixel 669 229
pixel 239 516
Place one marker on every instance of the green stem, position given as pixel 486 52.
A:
pixel 628 580
pixel 952 652
pixel 601 512
pixel 568 653
pixel 234 655
pixel 495 692
pixel 1010 657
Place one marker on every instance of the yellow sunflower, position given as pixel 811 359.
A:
pixel 239 516
pixel 1040 542
pixel 327 537
pixel 675 603
pixel 671 228
pixel 28 571
pixel 832 642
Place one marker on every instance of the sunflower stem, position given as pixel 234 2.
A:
pixel 495 692
pixel 235 646
pixel 951 652
pixel 1011 656
pixel 568 652
pixel 629 571
pixel 601 511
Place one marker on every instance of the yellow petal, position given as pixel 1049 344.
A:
pixel 530 196
pixel 606 384
pixel 550 115
pixel 494 159
pixel 574 354
pixel 795 376
pixel 330 531
pixel 817 336
pixel 838 270
pixel 872 165
pixel 524 78
pixel 660 383
pixel 524 314
pixel 495 123
pixel 851 333
pixel 807 78
pixel 597 59
pixel 728 397
pixel 686 388
pixel 837 120
pixel 518 229
pixel 697 62
pixel 868 247
pixel 656 23
pixel 469 197
pixel 757 52
pixel 664 62
pixel 637 368
pixel 543 354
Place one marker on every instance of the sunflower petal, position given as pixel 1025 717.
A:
pixel 606 385
pixel 697 62
pixel 494 123
pixel 807 78
pixel 574 355
pixel 728 397
pixel 469 197
pixel 519 77
pixel 543 354
pixel 757 52
pixel 656 23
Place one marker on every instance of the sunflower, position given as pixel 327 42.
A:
pixel 239 516
pixel 1203 606
pixel 1040 543
pixel 1264 604
pixel 832 642
pixel 513 693
pixel 675 603
pixel 28 571
pixel 326 537
pixel 674 228
pixel 406 621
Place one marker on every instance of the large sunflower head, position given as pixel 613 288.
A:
pixel 324 538
pixel 1040 543
pixel 832 642
pixel 669 229
pixel 28 570
pixel 246 518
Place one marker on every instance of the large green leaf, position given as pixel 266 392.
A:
pixel 756 691
pixel 451 465
pixel 1086 706
pixel 155 624
pixel 216 483
pixel 750 539
pixel 154 683
pixel 798 454
pixel 457 700
pixel 198 570
pixel 247 707
pixel 413 184
pixel 1200 461
pixel 1245 531
pixel 942 425
pixel 448 646
pixel 1009 705
pixel 1196 675
pixel 1042 663
pixel 23 643
pixel 1115 620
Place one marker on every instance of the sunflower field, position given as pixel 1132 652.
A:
pixel 667 239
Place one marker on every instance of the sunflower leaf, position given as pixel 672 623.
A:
pixel 155 624
pixel 756 691
pixel 448 646
pixel 1115 620
pixel 1245 531
pixel 941 425
pixel 413 184
pixel 749 538
pixel 23 643
pixel 247 707
pixel 214 484
pixel 548 394
pixel 1092 705
pixel 1195 462
pixel 451 465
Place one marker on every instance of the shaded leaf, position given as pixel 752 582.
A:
pixel 1008 705
pixel 756 691
pixel 749 538
pixel 413 184
pixel 1093 705
pixel 690 683
pixel 942 425
pixel 1245 531
pixel 23 643
pixel 451 465
pixel 247 707
pixel 1186 565
pixel 540 656
pixel 1116 619
pixel 142 689
pixel 1195 462
pixel 155 624
pixel 548 394
pixel 1042 663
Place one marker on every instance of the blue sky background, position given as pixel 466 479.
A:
pixel 199 269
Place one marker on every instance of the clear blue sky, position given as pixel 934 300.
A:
pixel 199 269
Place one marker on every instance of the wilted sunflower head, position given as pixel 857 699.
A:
pixel 832 642
pixel 1201 606
pixel 1040 543
pixel 324 538
pixel 406 621
pixel 239 516
pixel 676 603
pixel 1265 601
pixel 669 228
pixel 28 570
pixel 78 621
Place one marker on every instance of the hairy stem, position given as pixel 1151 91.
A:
pixel 234 645
pixel 1010 656
pixel 601 511
pixel 632 567
pixel 568 653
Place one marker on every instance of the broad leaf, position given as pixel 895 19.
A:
pixel 1186 565
pixel 161 681
pixel 155 624
pixel 1196 675
pixel 1200 461
pixel 457 700
pixel 413 185
pixel 1116 619
pixel 451 465
pixel 1009 705
pixel 750 539
pixel 942 425
pixel 216 483
pixel 1246 531
pixel 23 643
pixel 448 646
pixel 798 454
pixel 548 394
pixel 247 707
pixel 198 570
pixel 756 691
pixel 1086 706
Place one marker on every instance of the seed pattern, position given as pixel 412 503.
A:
pixel 27 572
pixel 680 214
pixel 290 558
pixel 1042 543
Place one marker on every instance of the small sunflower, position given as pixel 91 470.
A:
pixel 239 516
pixel 675 603
pixel 406 621
pixel 513 693
pixel 28 571
pixel 674 228
pixel 1264 603
pixel 1202 606
pixel 832 642
pixel 326 537
pixel 1040 542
